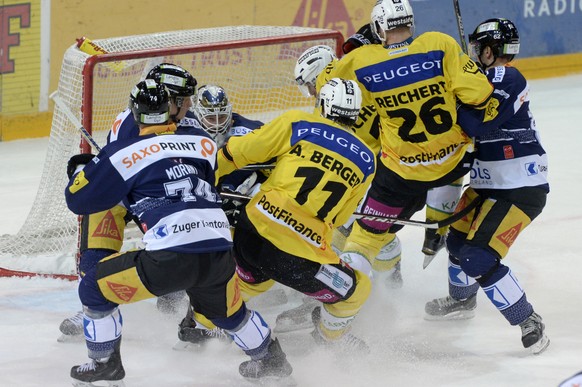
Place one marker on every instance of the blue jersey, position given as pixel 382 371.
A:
pixel 167 181
pixel 509 152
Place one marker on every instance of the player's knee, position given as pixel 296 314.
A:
pixel 90 295
pixel 90 257
pixel 454 243
pixel 476 261
pixel 234 321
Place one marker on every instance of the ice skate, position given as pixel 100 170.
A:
pixel 109 371
pixel 389 254
pixel 297 318
pixel 433 243
pixel 347 342
pixel 191 335
pixel 394 277
pixel 533 335
pixel 447 308
pixel 273 367
pixel 72 329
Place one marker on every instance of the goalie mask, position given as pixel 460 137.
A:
pixel 180 83
pixel 213 109
pixel 309 65
pixel 340 101
pixel 498 34
pixel 390 14
pixel 149 102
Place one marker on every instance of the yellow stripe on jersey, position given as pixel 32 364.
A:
pixel 508 230
pixel 415 90
pixel 123 287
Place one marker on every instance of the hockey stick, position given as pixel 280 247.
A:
pixel 460 26
pixel 74 120
pixel 258 167
pixel 386 219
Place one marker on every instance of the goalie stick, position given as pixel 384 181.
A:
pixel 386 219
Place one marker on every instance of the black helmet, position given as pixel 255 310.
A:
pixel 149 103
pixel 499 34
pixel 180 83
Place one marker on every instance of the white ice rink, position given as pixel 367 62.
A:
pixel 406 350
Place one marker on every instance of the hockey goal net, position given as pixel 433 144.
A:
pixel 253 63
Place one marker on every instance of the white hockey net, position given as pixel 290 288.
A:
pixel 253 63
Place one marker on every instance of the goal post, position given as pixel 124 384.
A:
pixel 253 63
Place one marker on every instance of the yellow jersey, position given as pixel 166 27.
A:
pixel 322 171
pixel 415 88
pixel 367 126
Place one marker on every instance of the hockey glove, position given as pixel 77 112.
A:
pixel 76 161
pixel 363 37
pixel 232 208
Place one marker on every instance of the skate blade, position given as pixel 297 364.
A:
pixel 71 338
pixel 273 381
pixel 186 346
pixel 101 383
pixel 459 315
pixel 427 260
pixel 540 346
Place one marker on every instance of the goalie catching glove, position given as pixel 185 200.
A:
pixel 77 162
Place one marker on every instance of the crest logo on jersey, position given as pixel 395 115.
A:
pixel 508 152
pixel 160 232
pixel 80 182
pixel 509 236
pixel 107 228
pixel 123 292
pixel 531 168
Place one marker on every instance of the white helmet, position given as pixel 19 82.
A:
pixel 340 100
pixel 213 109
pixel 389 14
pixel 309 65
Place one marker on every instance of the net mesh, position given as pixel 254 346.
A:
pixel 253 63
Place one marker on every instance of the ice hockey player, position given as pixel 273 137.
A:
pixel 509 177
pixel 214 113
pixel 284 233
pixel 103 233
pixel 440 201
pixel 414 84
pixel 167 180
pixel 310 66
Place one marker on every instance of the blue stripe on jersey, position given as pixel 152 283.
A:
pixel 398 72
pixel 336 140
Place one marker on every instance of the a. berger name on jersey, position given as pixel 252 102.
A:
pixel 333 165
